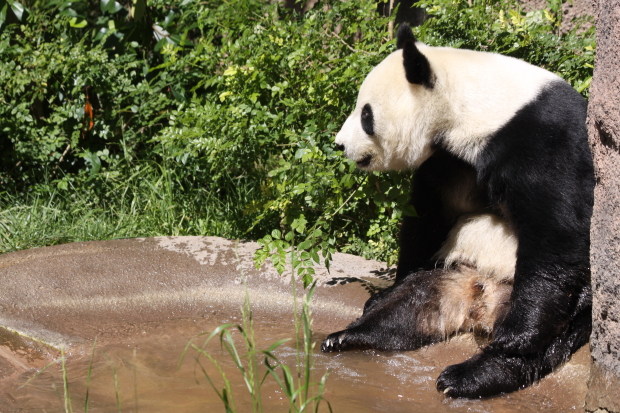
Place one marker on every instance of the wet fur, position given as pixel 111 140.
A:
pixel 503 189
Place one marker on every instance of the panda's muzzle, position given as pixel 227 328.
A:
pixel 364 162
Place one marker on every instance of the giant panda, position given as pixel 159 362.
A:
pixel 503 189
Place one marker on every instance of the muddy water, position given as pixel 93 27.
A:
pixel 148 380
pixel 143 300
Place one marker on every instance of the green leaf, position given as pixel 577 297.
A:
pixel 279 268
pixel 3 14
pixel 109 6
pixel 93 160
pixel 68 12
pixel 289 236
pixel 169 18
pixel 409 210
pixel 178 93
pixel 18 9
pixel 315 255
pixel 74 22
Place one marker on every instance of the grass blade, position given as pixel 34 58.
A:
pixel 90 369
pixel 65 384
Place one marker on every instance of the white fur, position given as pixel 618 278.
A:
pixel 474 94
pixel 485 241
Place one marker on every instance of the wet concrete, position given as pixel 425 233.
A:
pixel 144 299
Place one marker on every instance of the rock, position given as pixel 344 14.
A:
pixel 604 134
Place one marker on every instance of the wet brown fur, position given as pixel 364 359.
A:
pixel 463 300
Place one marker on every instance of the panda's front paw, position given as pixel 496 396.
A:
pixel 455 381
pixel 484 375
pixel 335 342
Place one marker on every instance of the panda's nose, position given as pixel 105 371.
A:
pixel 340 147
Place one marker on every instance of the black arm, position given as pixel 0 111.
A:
pixel 444 188
pixel 539 167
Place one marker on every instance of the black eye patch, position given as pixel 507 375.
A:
pixel 368 122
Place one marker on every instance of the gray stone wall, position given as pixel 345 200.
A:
pixel 604 133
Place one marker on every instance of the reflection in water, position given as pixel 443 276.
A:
pixel 148 379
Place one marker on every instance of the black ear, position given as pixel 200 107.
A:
pixel 404 35
pixel 417 67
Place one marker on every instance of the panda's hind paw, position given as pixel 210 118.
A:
pixel 335 342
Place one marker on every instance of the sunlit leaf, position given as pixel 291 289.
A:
pixel 159 32
pixel 3 14
pixel 77 23
pixel 18 9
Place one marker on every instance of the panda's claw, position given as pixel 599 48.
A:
pixel 334 342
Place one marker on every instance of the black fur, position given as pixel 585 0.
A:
pixel 404 35
pixel 368 122
pixel 417 68
pixel 390 323
pixel 539 168
pixel 537 172
pixel 444 188
pixel 493 371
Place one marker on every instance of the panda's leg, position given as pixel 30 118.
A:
pixel 424 308
pixel 404 317
pixel 492 372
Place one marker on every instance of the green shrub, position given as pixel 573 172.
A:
pixel 218 118
pixel 504 27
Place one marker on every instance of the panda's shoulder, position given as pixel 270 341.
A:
pixel 491 65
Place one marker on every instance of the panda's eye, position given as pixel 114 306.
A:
pixel 368 123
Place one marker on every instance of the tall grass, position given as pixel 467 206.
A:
pixel 65 384
pixel 153 201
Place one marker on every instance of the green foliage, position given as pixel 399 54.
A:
pixel 268 111
pixel 218 118
pixel 504 27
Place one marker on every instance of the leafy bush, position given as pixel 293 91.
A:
pixel 504 27
pixel 218 118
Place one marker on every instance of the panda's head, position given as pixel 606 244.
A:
pixel 394 121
